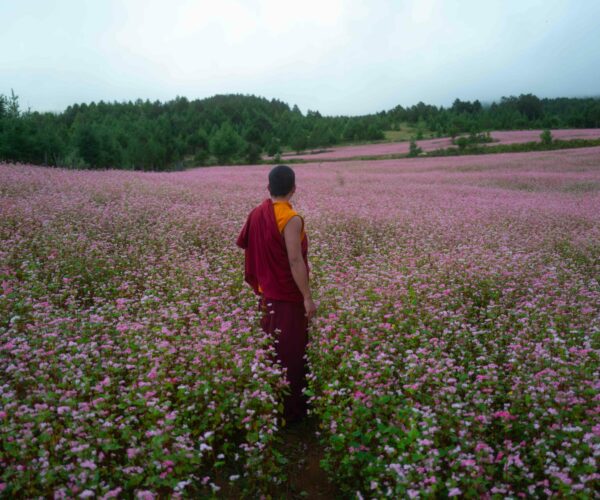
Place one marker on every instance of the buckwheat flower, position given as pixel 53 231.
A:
pixel 114 493
pixel 88 464
pixel 145 495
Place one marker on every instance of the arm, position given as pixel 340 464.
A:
pixel 292 235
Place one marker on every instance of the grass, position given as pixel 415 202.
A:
pixel 407 132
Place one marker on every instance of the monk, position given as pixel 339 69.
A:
pixel 276 267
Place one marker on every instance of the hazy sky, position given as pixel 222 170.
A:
pixel 335 56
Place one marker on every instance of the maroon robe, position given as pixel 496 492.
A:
pixel 282 304
pixel 266 258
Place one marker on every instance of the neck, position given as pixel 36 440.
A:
pixel 280 198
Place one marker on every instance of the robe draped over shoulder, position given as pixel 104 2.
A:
pixel 267 268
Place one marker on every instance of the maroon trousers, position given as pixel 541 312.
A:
pixel 286 323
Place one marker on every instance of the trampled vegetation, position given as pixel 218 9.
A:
pixel 456 350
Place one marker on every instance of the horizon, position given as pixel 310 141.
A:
pixel 485 103
pixel 340 57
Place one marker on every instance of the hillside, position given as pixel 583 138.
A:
pixel 225 129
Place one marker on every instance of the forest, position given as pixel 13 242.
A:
pixel 240 129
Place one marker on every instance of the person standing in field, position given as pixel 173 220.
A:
pixel 276 267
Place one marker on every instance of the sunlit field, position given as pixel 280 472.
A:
pixel 455 350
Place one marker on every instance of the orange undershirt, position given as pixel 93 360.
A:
pixel 283 213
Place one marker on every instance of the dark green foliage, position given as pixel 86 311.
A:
pixel 274 147
pixel 252 153
pixel 299 140
pixel 519 147
pixel 414 150
pixel 462 143
pixel 226 144
pixel 546 137
pixel 512 113
pixel 459 107
pixel 146 135
pixel 88 144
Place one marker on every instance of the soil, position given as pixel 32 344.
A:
pixel 306 478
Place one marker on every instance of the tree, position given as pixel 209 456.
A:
pixel 374 133
pixel 158 135
pixel 274 146
pixel 530 106
pixel 462 143
pixel 298 137
pixel 198 144
pixel 226 143
pixel 13 105
pixel 546 137
pixel 3 106
pixel 88 145
pixel 253 153
pixel 413 149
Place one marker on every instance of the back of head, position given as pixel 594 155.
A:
pixel 281 180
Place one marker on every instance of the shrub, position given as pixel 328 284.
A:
pixel 546 137
pixel 414 150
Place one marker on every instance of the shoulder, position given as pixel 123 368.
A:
pixel 294 224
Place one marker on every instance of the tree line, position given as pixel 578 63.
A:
pixel 224 129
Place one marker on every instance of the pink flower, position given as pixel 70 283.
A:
pixel 504 415
pixel 481 446
pixel 145 495
pixel 113 493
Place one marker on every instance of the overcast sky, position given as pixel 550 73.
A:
pixel 335 56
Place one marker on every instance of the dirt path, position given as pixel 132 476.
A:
pixel 306 479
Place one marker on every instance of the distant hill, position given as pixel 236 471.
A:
pixel 237 128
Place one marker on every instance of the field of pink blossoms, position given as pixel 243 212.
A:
pixel 389 148
pixel 455 352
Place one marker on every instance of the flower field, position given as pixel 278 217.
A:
pixel 390 148
pixel 455 351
